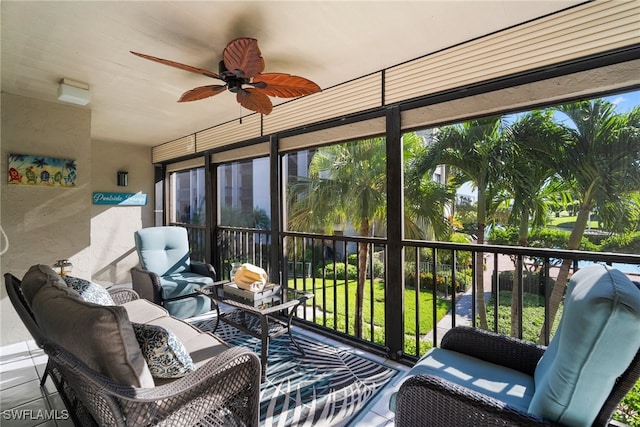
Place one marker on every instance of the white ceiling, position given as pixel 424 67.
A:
pixel 134 100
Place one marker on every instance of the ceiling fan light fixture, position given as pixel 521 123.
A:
pixel 74 92
pixel 242 64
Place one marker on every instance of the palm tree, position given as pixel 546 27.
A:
pixel 425 200
pixel 601 165
pixel 475 149
pixel 236 217
pixel 347 185
pixel 528 180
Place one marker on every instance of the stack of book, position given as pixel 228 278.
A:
pixel 232 291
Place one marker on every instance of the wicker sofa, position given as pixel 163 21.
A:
pixel 127 362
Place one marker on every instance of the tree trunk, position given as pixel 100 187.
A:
pixel 479 273
pixel 363 257
pixel 523 234
pixel 563 275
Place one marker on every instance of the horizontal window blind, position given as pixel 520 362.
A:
pixel 595 27
pixel 339 133
pixel 227 133
pixel 348 98
pixel 549 91
pixel 186 164
pixel 173 149
pixel 255 150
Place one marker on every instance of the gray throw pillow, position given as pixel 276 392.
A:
pixel 166 356
pixel 100 336
pixel 34 279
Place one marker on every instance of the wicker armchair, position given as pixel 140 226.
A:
pixel 434 401
pixel 167 276
pixel 430 400
pixel 80 416
pixel 592 363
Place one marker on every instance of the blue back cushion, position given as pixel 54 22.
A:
pixel 163 250
pixel 598 336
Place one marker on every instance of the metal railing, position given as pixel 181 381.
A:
pixel 197 240
pixel 242 245
pixel 329 266
pixel 334 271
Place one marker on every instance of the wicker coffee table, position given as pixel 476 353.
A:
pixel 264 318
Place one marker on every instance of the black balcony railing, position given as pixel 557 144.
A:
pixel 242 245
pixel 197 240
pixel 329 266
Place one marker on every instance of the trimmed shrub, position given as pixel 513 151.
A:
pixel 443 282
pixel 340 269
pixel 532 315
pixel 378 266
pixel 533 282
pixel 540 238
pixel 628 410
pixel 625 243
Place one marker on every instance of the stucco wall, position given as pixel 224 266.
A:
pixel 112 227
pixel 44 224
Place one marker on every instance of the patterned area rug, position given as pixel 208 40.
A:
pixel 327 387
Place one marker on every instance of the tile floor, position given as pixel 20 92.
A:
pixel 24 403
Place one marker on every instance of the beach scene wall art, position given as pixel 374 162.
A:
pixel 24 169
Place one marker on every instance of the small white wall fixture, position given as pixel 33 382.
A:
pixel 74 92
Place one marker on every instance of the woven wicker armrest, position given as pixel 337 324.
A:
pixel 426 400
pixel 121 295
pixel 223 391
pixel 494 348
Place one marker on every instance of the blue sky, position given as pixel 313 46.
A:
pixel 626 101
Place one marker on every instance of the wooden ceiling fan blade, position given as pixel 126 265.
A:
pixel 201 93
pixel 243 58
pixel 178 65
pixel 253 100
pixel 284 85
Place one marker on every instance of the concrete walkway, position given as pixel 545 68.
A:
pixel 464 302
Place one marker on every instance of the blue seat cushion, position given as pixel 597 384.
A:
pixel 181 284
pixel 509 386
pixel 598 336
pixel 184 284
pixel 188 307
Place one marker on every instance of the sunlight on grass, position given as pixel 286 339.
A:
pixel 337 300
pixel 567 223
pixel 532 315
pixel 425 305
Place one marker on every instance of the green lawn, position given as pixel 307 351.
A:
pixel 532 315
pixel 567 223
pixel 337 300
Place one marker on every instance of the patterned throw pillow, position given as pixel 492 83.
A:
pixel 166 356
pixel 89 291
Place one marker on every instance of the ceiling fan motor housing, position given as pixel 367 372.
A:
pixel 233 80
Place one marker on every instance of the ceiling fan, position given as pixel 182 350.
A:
pixel 242 65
